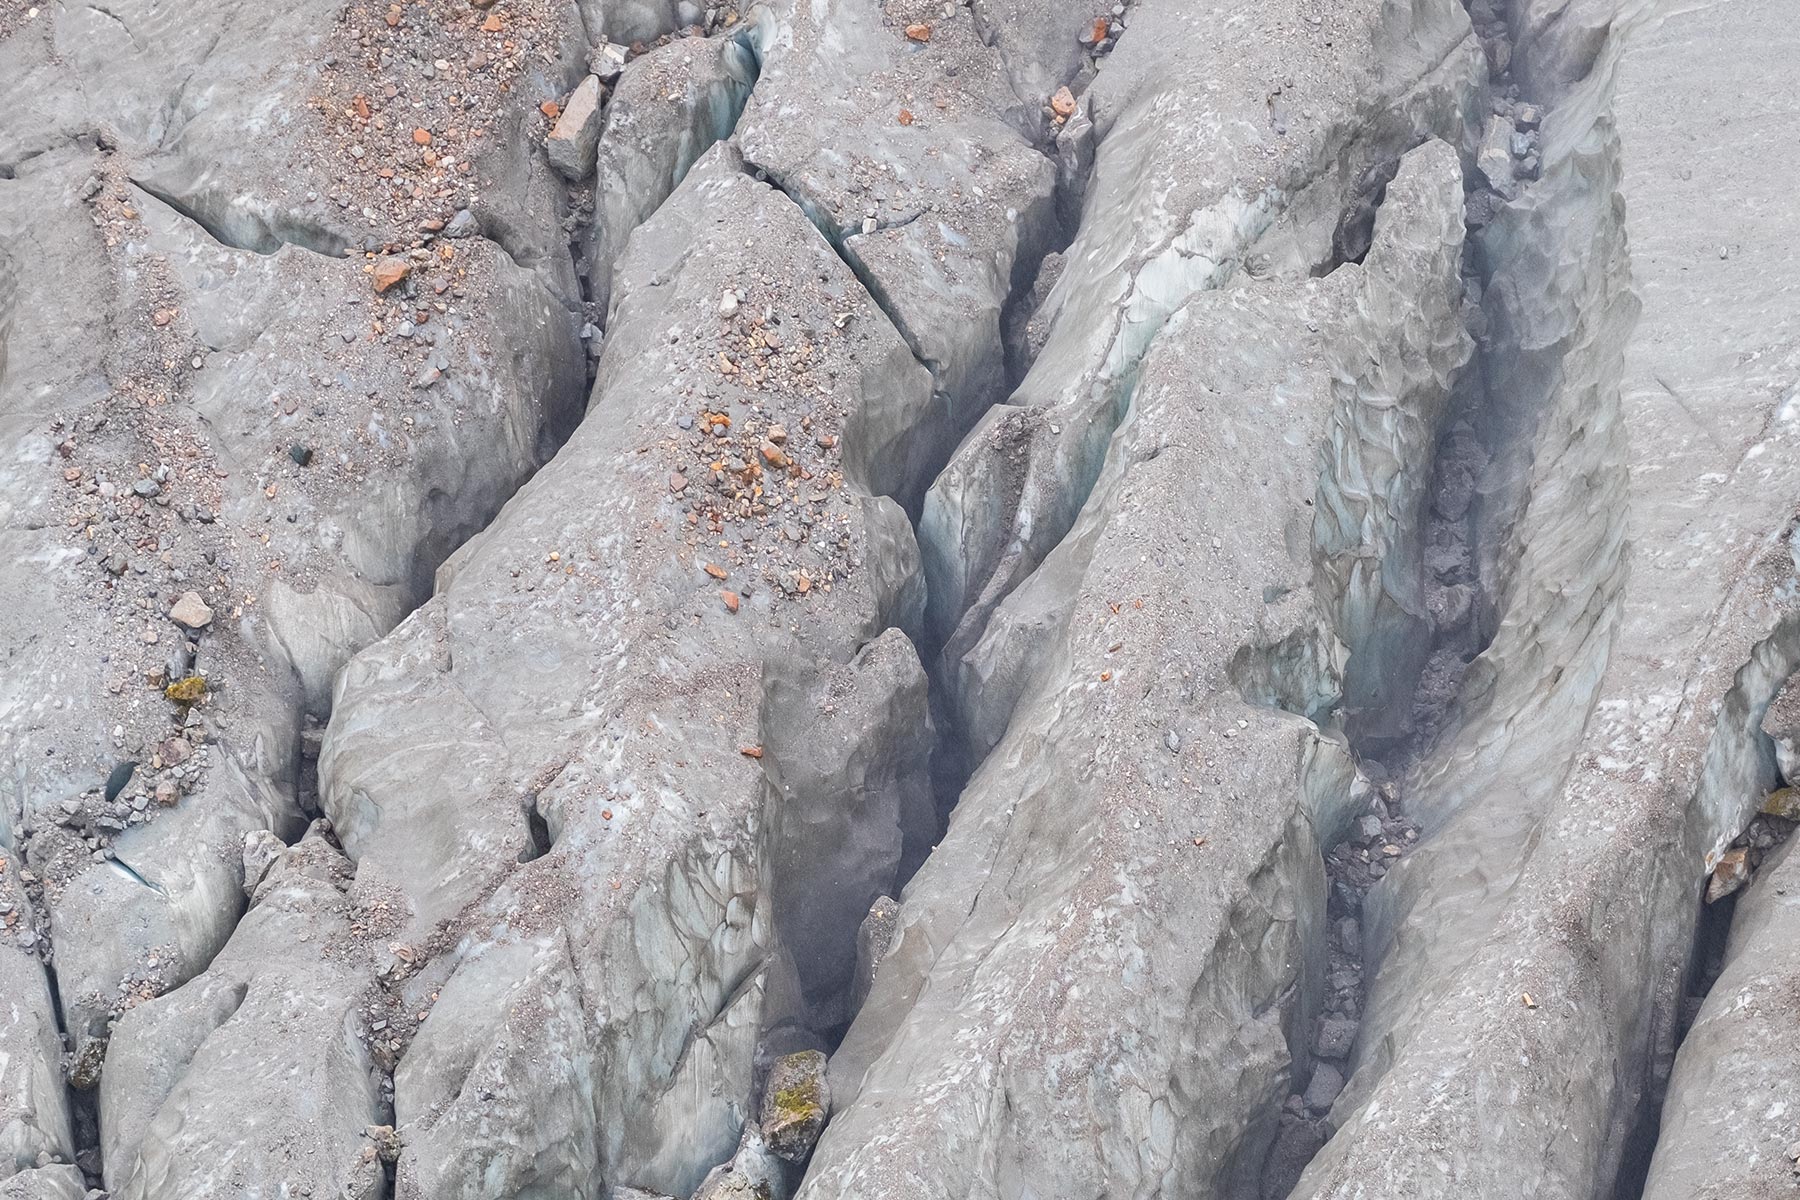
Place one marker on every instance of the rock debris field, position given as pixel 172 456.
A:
pixel 899 600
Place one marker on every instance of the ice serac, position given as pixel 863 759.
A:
pixel 1725 1131
pixel 1531 951
pixel 898 150
pixel 249 419
pixel 621 667
pixel 1120 938
pixel 258 1065
pixel 1217 148
pixel 665 111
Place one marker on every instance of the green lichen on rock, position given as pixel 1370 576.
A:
pixel 796 1103
pixel 186 691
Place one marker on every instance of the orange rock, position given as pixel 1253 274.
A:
pixel 1101 29
pixel 390 271
pixel 361 105
pixel 1731 873
pixel 751 752
pixel 731 601
pixel 918 33
pixel 906 117
pixel 393 16
pixel 1063 103
pixel 716 571
pixel 493 24
pixel 551 109
pixel 772 454
pixel 422 137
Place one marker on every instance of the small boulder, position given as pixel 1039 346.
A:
pixel 874 938
pixel 1327 1082
pixel 261 849
pixel 796 1103
pixel 191 612
pixel 390 271
pixel 607 60
pixel 1494 158
pixel 1731 873
pixel 576 137
pixel 752 1173
pixel 1335 1037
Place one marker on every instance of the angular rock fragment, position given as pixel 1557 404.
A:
pixel 576 134
pixel 753 1173
pixel 1494 157
pixel 191 612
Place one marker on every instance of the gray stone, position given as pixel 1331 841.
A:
pixel 1335 1037
pixel 1494 158
pixel 261 849
pixel 752 1173
pixel 606 61
pixel 1322 1091
pixel 191 612
pixel 576 134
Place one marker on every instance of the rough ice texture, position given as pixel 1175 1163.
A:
pixel 1114 940
pixel 1726 1129
pixel 1192 182
pixel 228 240
pixel 600 1002
pixel 1610 744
